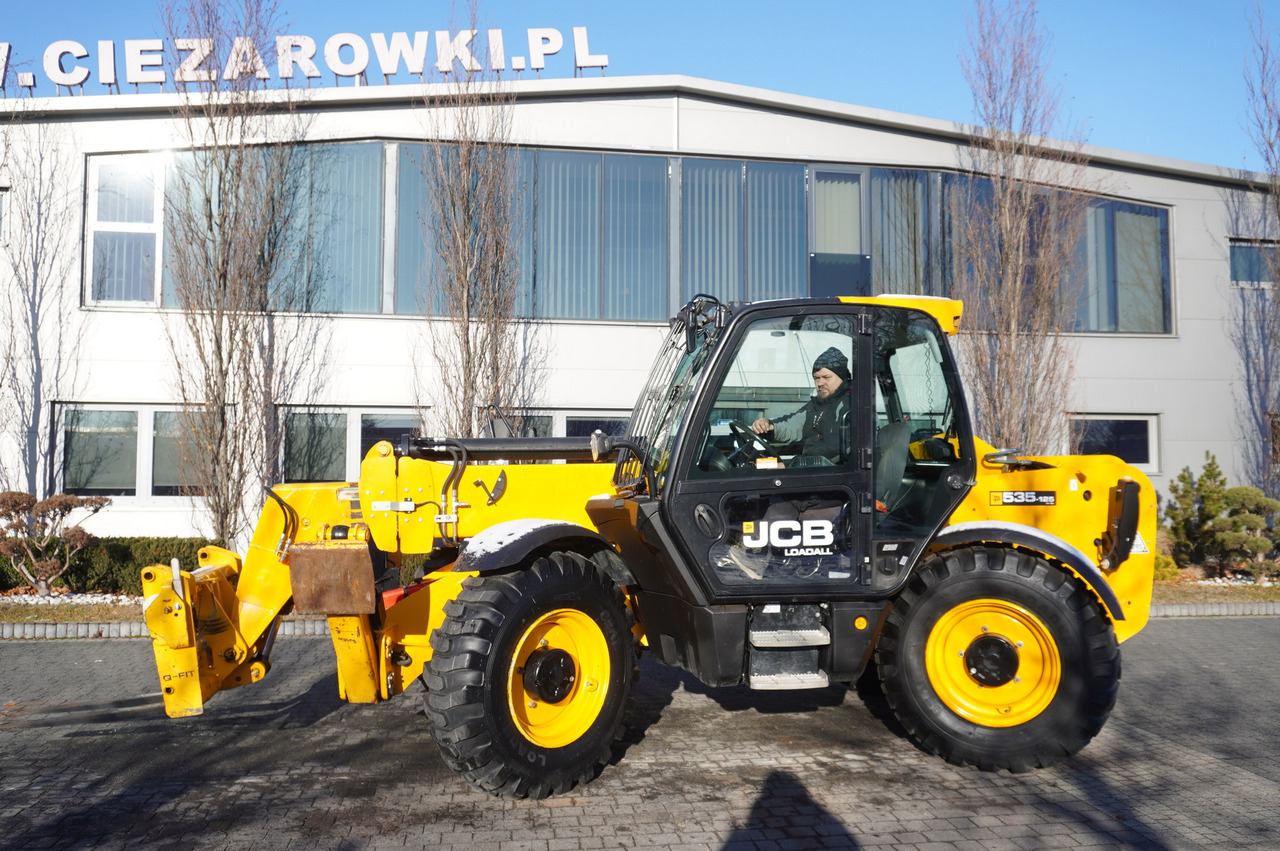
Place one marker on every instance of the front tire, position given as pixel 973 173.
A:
pixel 530 676
pixel 992 657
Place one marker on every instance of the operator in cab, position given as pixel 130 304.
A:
pixel 821 425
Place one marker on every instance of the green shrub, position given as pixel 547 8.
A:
pixel 1193 505
pixel 1217 526
pixel 1166 569
pixel 114 565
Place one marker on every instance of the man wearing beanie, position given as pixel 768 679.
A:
pixel 823 430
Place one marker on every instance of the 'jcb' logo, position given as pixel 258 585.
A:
pixel 788 533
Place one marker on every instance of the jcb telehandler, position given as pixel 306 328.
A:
pixel 991 590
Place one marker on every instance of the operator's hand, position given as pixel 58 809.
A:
pixel 762 426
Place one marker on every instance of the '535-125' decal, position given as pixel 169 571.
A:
pixel 1024 498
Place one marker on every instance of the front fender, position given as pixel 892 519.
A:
pixel 506 545
pixel 998 531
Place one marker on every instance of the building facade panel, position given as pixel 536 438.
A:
pixel 638 193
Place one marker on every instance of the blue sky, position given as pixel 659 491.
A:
pixel 1161 78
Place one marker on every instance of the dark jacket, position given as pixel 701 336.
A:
pixel 825 429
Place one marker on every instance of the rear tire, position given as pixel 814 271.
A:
pixel 994 658
pixel 530 676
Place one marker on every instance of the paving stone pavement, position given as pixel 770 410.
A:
pixel 87 759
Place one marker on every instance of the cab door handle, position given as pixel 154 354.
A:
pixel 707 521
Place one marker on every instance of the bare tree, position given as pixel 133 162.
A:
pixel 1255 321
pixel 484 355
pixel 235 261
pixel 36 252
pixel 1018 221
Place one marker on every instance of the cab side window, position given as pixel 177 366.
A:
pixel 785 402
pixel 915 443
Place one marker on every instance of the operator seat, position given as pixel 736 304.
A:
pixel 893 443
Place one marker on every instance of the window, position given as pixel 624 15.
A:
pixel 337 231
pixel 775 376
pixel 587 426
pixel 838 264
pixel 100 452
pixel 635 237
pixel 415 248
pixel 326 244
pixel 568 206
pixel 744 229
pixel 124 227
pixel 592 235
pixel 1126 272
pixel 315 446
pixel 1254 263
pixel 329 254
pixel 1133 438
pixel 711 228
pixel 1273 421
pixel 386 426
pixel 905 222
pixel 170 454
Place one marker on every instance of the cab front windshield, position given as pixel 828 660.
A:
pixel 664 402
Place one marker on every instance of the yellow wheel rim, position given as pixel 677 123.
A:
pixel 1002 645
pixel 562 720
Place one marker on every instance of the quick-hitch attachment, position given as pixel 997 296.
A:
pixel 198 646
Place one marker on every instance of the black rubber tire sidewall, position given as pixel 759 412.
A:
pixel 1084 640
pixel 467 677
pixel 544 597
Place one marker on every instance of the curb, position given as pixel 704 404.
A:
pixel 318 626
pixel 1211 610
pixel 314 626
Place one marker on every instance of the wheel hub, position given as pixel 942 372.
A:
pixel 549 674
pixel 991 660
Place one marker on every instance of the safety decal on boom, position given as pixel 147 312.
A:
pixel 1024 498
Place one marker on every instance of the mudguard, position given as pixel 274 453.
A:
pixel 506 545
pixel 997 531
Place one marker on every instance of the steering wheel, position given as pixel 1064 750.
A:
pixel 750 445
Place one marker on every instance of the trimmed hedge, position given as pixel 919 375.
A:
pixel 114 565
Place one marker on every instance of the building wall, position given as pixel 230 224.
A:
pixel 1186 379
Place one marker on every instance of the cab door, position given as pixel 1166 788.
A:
pixel 788 511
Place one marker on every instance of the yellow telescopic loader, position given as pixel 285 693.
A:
pixel 745 529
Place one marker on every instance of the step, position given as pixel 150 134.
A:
pixel 812 636
pixel 784 682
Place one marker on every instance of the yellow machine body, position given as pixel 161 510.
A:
pixel 212 626
pixel 315 547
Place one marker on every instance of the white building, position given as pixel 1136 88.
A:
pixel 641 191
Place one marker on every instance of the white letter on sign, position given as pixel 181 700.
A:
pixel 53 54
pixel 106 63
pixel 360 55
pixel 447 51
pixel 777 535
pixel 582 57
pixel 390 55
pixel 141 54
pixel 189 70
pixel 818 533
pixel 543 42
pixel 244 59
pixel 297 50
